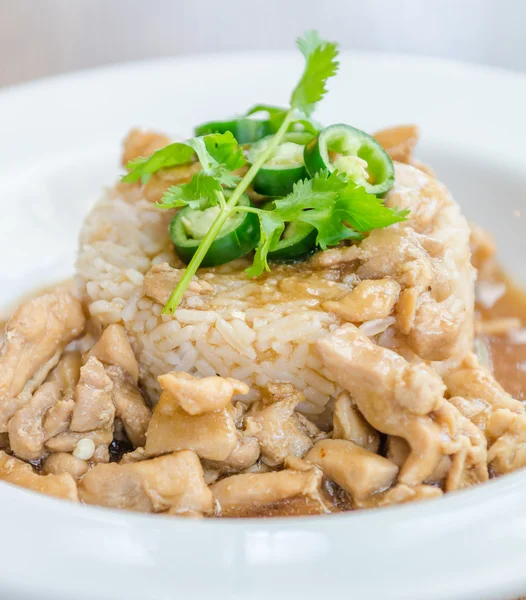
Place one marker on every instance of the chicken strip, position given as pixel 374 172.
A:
pixel 271 421
pixel 429 257
pixel 291 491
pixel 94 408
pixel 405 400
pixel 115 352
pixel 174 482
pixel 36 335
pixel 27 435
pixel 20 473
pixel 480 398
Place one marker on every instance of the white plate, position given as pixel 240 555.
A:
pixel 60 144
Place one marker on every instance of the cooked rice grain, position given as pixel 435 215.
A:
pixel 234 333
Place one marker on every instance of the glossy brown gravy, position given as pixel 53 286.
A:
pixel 507 349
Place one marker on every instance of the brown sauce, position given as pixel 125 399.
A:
pixel 507 349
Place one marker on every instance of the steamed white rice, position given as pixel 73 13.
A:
pixel 230 333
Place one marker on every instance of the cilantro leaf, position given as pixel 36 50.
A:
pixel 219 155
pixel 366 212
pixel 217 149
pixel 178 153
pixel 336 207
pixel 200 193
pixel 271 228
pixel 321 64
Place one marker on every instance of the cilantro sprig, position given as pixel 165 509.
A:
pixel 206 188
pixel 335 206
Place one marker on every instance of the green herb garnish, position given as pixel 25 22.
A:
pixel 337 208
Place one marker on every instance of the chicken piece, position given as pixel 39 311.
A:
pixel 132 457
pixel 139 144
pixel 398 450
pixel 263 494
pixel 161 279
pixel 55 464
pixel 130 406
pixel 94 408
pixel 67 373
pixel 359 472
pixel 429 257
pixel 212 435
pixel 113 348
pixel 159 182
pixel 36 335
pixel 400 494
pixel 399 142
pixel 198 396
pixel 20 473
pixel 476 384
pixel 270 420
pixel 349 424
pixel 26 432
pixel 444 235
pixel 68 440
pixel 406 308
pixel 174 482
pixel 405 400
pixel 58 418
pixel 308 428
pixel 480 398
pixel 244 456
pixel 371 299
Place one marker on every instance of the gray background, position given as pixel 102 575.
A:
pixel 43 37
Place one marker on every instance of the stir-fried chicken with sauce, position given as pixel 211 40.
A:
pixel 416 408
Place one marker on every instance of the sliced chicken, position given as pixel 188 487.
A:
pixel 68 440
pixel 349 424
pixel 244 456
pixel 271 421
pixel 67 373
pixel 429 257
pixel 20 473
pixel 26 431
pixel 115 352
pixel 130 406
pixel 211 435
pixel 172 483
pixel 56 464
pixel 359 472
pixel 113 348
pixel 161 279
pixel 94 408
pixel 58 418
pixel 479 397
pixel 405 400
pixel 36 335
pixel 400 494
pixel 198 396
pixel 370 299
pixel 289 491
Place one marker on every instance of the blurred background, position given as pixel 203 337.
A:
pixel 44 37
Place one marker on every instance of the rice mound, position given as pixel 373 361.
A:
pixel 247 329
